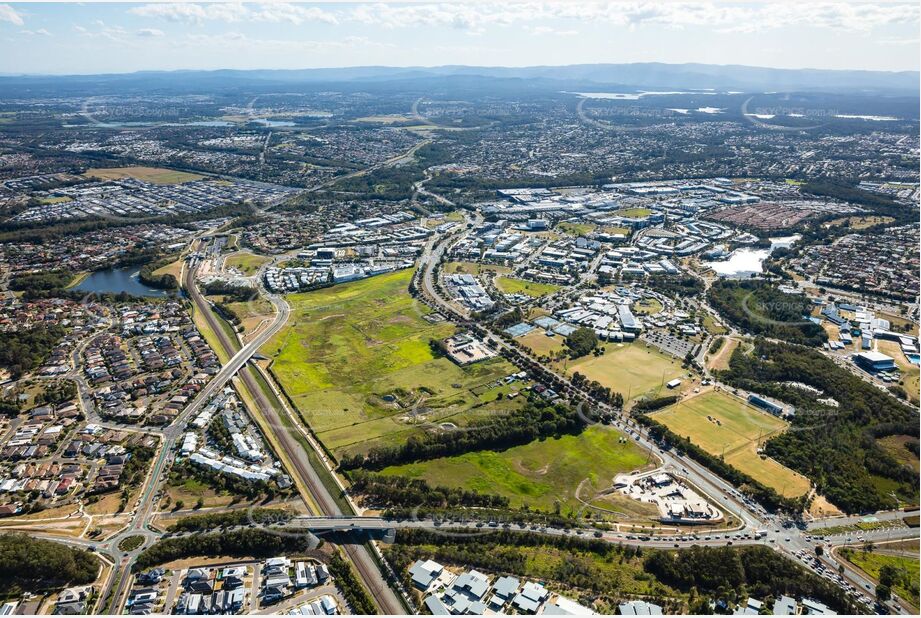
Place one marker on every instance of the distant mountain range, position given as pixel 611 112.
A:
pixel 580 76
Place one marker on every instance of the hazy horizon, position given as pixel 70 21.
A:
pixel 95 38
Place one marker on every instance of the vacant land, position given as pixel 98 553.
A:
pixel 510 285
pixel 727 427
pixel 356 360
pixel 907 568
pixel 539 474
pixel 720 360
pixel 895 446
pixel 246 262
pixel 253 314
pixel 576 229
pixel 173 268
pixel 474 268
pixel 156 175
pixel 860 223
pixel 632 212
pixel 541 344
pixel 630 369
pixel 55 200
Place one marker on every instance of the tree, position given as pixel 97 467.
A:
pixel 581 341
pixel 819 550
pixel 889 575
pixel 883 593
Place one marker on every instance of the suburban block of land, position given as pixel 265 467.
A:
pixel 728 427
pixel 355 359
pixel 541 474
pixel 630 369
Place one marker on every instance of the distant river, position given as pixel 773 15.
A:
pixel 746 261
pixel 115 280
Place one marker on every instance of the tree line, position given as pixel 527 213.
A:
pixel 834 446
pixel 236 517
pixel 383 491
pixel 535 420
pixel 255 542
pixel 33 565
pixel 22 351
pixel 734 574
pixel 760 308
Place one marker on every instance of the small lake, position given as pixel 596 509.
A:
pixel 115 280
pixel 747 261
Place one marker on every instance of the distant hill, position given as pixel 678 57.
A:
pixel 589 76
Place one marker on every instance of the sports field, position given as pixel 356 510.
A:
pixel 727 426
pixel 355 358
pixel 246 262
pixel 630 369
pixel 511 285
pixel 537 474
pixel 156 175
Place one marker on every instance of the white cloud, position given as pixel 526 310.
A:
pixel 149 32
pixel 39 32
pixel 7 13
pixel 115 34
pixel 539 30
pixel 240 42
pixel 740 17
pixel 235 13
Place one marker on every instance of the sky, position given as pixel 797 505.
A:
pixel 109 37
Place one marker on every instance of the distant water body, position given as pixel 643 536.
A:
pixel 747 261
pixel 631 96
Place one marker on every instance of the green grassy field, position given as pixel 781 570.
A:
pixel 871 563
pixel 647 306
pixel 55 200
pixel 733 430
pixel 541 344
pixel 576 229
pixel 895 446
pixel 246 262
pixel 630 369
pixel 632 212
pixel 510 285
pixel 348 349
pixel 156 175
pixel 537 474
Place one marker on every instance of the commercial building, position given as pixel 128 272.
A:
pixel 874 361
